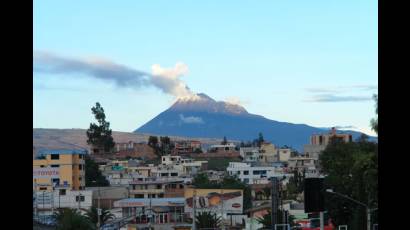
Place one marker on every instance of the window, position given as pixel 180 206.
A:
pixel 43 188
pixel 320 140
pixel 181 186
pixel 246 172
pixel 62 192
pixel 80 156
pixel 174 174
pixel 133 187
pixel 161 195
pixel 55 166
pixel 159 186
pixel 56 181
pixel 81 198
pixel 80 178
pixel 246 180
pixel 139 196
pixel 41 166
pixel 55 157
pixel 80 167
pixel 226 148
pixel 164 174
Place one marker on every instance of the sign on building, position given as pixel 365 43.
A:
pixel 46 173
pixel 214 200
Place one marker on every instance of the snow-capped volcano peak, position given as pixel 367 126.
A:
pixel 203 103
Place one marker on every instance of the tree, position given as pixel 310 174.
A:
pixel 100 136
pixel 207 220
pixel 266 220
pixel 166 145
pixel 352 170
pixel 93 173
pixel 375 121
pixel 71 219
pixel 260 139
pixel 225 141
pixel 267 192
pixel 92 215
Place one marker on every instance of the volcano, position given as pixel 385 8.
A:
pixel 202 116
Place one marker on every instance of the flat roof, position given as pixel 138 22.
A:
pixel 144 202
pixel 61 151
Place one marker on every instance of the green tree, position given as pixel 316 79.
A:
pixel 207 220
pixel 71 219
pixel 351 169
pixel 375 121
pixel 266 220
pixel 260 139
pixel 93 175
pixel 100 135
pixel 225 141
pixel 166 145
pixel 92 215
pixel 267 192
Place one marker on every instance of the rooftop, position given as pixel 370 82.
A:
pixel 61 151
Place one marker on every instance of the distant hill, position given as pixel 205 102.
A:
pixel 202 116
pixel 77 138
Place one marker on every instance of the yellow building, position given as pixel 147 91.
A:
pixel 268 152
pixel 64 169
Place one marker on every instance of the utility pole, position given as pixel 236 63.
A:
pixel 322 221
pixel 79 201
pixel 194 211
pixel 222 208
pixel 35 197
pixel 99 210
pixel 274 201
pixel 369 221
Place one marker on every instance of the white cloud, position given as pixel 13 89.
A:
pixel 191 119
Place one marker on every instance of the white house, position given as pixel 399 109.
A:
pixel 253 174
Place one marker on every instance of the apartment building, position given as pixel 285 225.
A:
pixel 157 188
pixel 59 169
pixel 318 142
pixel 254 174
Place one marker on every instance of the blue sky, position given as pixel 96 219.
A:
pixel 311 62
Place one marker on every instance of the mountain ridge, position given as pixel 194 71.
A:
pixel 202 116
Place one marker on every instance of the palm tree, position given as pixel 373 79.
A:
pixel 207 220
pixel 106 215
pixel 266 220
pixel 71 219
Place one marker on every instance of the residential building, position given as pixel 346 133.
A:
pixel 186 146
pixel 106 196
pixel 254 174
pixel 59 169
pixel 45 202
pixel 250 154
pixel 157 188
pixel 306 164
pixel 157 213
pixel 230 147
pixel 268 152
pixel 318 142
